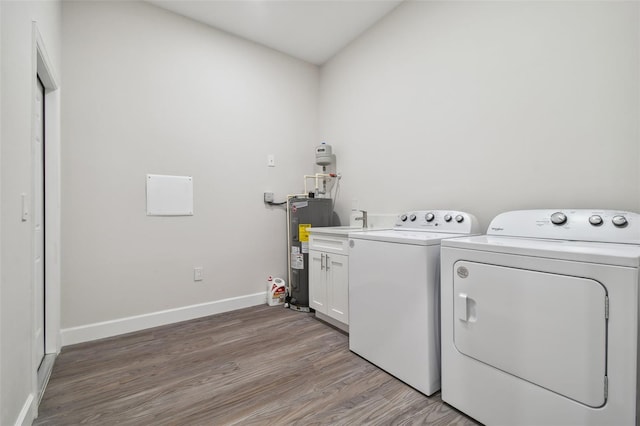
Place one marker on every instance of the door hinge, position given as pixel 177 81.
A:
pixel 606 387
pixel 606 307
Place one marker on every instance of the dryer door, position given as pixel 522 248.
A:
pixel 545 328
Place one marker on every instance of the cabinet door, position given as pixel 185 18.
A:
pixel 338 287
pixel 317 281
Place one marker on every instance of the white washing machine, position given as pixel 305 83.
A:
pixel 540 319
pixel 394 294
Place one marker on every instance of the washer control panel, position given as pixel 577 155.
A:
pixel 611 226
pixel 447 221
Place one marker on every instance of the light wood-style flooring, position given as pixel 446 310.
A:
pixel 256 366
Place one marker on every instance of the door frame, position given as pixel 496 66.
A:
pixel 43 68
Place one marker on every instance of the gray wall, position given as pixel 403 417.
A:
pixel 488 107
pixel 477 106
pixel 17 374
pixel 148 91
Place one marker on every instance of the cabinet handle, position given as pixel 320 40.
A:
pixel 321 261
pixel 327 262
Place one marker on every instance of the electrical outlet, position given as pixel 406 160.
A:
pixel 268 197
pixel 198 273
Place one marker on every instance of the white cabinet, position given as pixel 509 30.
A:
pixel 338 287
pixel 329 278
pixel 328 284
pixel 317 281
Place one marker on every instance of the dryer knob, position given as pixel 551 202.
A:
pixel 412 218
pixel 429 217
pixel 459 218
pixel 403 218
pixel 558 218
pixel 595 220
pixel 447 218
pixel 619 221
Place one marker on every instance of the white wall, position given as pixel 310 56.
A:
pixel 18 91
pixel 147 91
pixel 488 107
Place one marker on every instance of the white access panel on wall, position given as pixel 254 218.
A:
pixel 169 195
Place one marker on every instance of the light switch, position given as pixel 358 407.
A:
pixel 198 273
pixel 25 211
pixel 271 160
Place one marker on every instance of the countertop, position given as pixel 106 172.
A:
pixel 377 221
pixel 335 230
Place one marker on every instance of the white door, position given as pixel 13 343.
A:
pixel 317 281
pixel 548 329
pixel 38 226
pixel 338 286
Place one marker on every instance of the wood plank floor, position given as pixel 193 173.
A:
pixel 256 366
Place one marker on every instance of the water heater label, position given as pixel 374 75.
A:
pixel 303 232
pixel 297 261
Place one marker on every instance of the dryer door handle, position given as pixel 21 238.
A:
pixel 461 307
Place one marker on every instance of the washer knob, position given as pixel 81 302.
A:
pixel 459 218
pixel 447 217
pixel 412 218
pixel 620 221
pixel 595 220
pixel 429 217
pixel 403 218
pixel 558 218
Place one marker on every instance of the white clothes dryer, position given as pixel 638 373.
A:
pixel 540 319
pixel 394 294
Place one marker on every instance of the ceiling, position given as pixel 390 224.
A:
pixel 311 30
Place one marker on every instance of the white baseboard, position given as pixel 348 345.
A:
pixel 27 414
pixel 100 330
